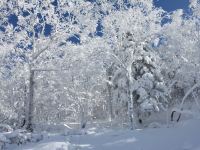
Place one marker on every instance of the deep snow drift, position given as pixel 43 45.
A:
pixel 180 136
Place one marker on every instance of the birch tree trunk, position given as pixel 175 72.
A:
pixel 130 106
pixel 130 92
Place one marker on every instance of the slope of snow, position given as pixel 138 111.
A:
pixel 182 136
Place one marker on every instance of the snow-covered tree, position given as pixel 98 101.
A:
pixel 130 33
pixel 37 33
pixel 179 49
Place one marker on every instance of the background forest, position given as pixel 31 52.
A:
pixel 125 63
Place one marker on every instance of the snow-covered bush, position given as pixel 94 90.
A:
pixel 19 136
pixel 5 128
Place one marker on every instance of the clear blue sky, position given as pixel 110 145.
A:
pixel 171 5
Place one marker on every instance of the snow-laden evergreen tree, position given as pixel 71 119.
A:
pixel 148 87
pixel 136 72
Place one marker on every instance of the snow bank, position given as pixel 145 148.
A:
pixel 17 137
pixel 49 142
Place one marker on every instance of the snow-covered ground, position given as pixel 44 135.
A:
pixel 50 142
pixel 181 136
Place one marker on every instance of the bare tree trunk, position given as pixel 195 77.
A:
pixel 23 117
pixel 130 107
pixel 83 117
pixel 29 113
pixel 110 106
pixel 109 72
pixel 188 93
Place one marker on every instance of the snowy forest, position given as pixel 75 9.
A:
pixel 80 68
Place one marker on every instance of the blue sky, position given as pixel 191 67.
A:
pixel 168 5
pixel 171 5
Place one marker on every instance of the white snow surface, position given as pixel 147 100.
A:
pixel 180 136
